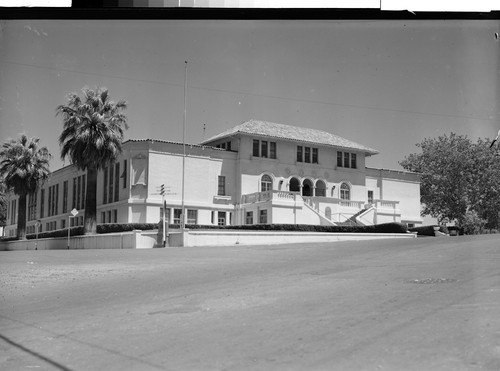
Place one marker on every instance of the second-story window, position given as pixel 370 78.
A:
pixel 307 154
pixel 263 151
pixel 221 190
pixel 346 159
pixel 255 148
pixel 272 150
pixel 315 156
pixel 266 183
pixel 299 153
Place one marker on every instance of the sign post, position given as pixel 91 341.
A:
pixel 74 213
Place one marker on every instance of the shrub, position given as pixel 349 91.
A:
pixel 473 223
pixel 379 228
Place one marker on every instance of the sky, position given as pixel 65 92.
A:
pixel 386 84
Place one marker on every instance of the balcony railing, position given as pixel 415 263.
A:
pixel 268 196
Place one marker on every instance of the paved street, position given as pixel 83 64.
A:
pixel 420 304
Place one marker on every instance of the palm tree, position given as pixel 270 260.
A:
pixel 92 138
pixel 24 167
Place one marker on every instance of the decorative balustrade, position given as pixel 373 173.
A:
pixel 384 204
pixel 267 196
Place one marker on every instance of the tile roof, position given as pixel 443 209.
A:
pixel 294 133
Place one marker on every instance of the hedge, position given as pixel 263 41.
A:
pixel 117 228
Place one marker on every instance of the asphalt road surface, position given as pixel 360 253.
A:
pixel 420 304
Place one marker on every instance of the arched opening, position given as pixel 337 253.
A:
pixel 328 212
pixel 307 188
pixel 345 191
pixel 320 189
pixel 294 185
pixel 266 183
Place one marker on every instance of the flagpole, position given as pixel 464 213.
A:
pixel 183 217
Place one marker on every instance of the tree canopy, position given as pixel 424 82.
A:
pixel 24 166
pixel 457 177
pixel 92 135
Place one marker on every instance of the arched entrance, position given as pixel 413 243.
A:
pixel 320 189
pixel 294 185
pixel 307 188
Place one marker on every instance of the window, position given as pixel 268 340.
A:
pixel 350 160
pixel 177 216
pixel 249 217
pixel 83 191
pixel 221 218
pixel 115 216
pixel 345 192
pixel 78 192
pixel 223 145
pixel 263 151
pixel 272 150
pixel 346 159
pixel 49 205
pixel 307 154
pixel 266 183
pixel 263 217
pixel 124 175
pixel 228 146
pixel 42 203
pixel 212 217
pixel 221 191
pixel 192 217
pixel 370 197
pixel 56 200
pixel 110 186
pixel 109 216
pixel 353 161
pixel 13 212
pixel 63 223
pixel 73 205
pixel 103 217
pixel 255 148
pixel 315 156
pixel 65 197
pixel 117 183
pixel 299 153
pixel 32 198
pixel 105 187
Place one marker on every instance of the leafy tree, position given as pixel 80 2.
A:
pixel 92 137
pixel 472 223
pixel 3 204
pixel 24 166
pixel 458 178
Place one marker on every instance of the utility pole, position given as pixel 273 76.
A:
pixel 184 147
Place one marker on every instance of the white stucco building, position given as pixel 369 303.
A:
pixel 256 172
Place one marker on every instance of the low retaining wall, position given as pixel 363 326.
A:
pixel 148 239
pixel 224 238
pixel 125 240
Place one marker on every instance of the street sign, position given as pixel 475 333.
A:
pixel 74 212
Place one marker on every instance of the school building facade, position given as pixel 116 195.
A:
pixel 254 173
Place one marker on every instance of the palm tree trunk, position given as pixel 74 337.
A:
pixel 21 217
pixel 90 224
